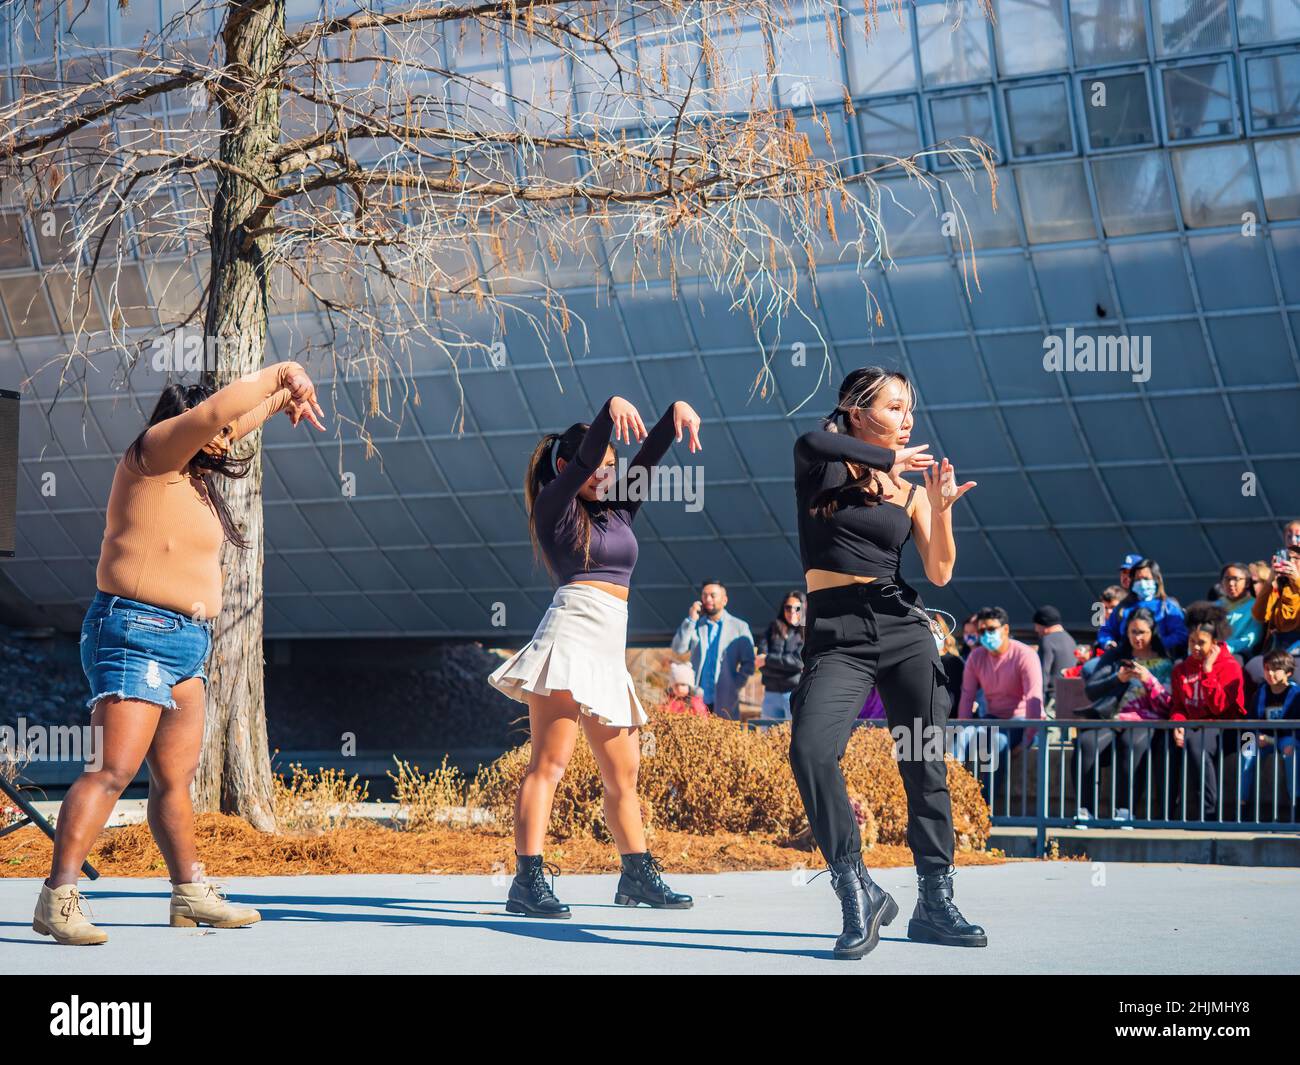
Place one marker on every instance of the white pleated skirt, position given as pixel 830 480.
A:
pixel 580 647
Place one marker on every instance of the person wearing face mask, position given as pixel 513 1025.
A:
pixel 1147 590
pixel 1206 686
pixel 868 628
pixel 1010 675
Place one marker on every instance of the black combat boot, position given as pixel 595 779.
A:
pixel 937 920
pixel 530 894
pixel 866 906
pixel 641 882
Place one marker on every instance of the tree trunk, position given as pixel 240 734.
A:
pixel 235 768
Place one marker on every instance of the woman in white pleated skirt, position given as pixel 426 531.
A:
pixel 573 673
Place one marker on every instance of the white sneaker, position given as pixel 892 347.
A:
pixel 1122 814
pixel 1083 815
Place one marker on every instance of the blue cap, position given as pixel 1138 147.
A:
pixel 1130 561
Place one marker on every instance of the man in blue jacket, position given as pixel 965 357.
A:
pixel 721 649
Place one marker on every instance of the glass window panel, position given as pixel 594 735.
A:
pixel 967 115
pixel 1116 110
pixel 1054 202
pixel 13 242
pixel 1274 91
pixel 1198 101
pixel 1279 175
pixel 1108 31
pixel 1215 185
pixel 1267 20
pixel 37 27
pixel 951 50
pixel 742 59
pixel 1039 120
pixel 130 24
pixel 85 22
pixel 989 228
pixel 1190 25
pixel 1030 36
pixel 54 235
pixel 810 66
pixel 881 61
pixel 1133 194
pixel 29 314
pixel 888 129
pixel 911 217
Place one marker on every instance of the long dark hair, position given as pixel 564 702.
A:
pixel 1143 613
pixel 857 390
pixel 1154 567
pixel 177 399
pixel 784 627
pixel 541 472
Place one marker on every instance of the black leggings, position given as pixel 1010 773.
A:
pixel 857 637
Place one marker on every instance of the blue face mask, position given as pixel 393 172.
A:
pixel 1145 588
pixel 991 640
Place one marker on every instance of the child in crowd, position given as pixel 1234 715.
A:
pixel 683 696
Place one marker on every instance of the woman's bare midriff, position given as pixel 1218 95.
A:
pixel 605 586
pixel 824 578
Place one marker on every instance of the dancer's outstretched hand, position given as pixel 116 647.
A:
pixel 941 485
pixel 910 460
pixel 684 417
pixel 302 398
pixel 627 422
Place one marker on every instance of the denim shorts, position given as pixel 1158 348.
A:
pixel 135 650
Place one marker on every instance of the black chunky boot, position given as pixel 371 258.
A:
pixel 530 895
pixel 641 882
pixel 937 920
pixel 866 905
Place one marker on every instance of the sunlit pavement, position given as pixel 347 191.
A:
pixel 1041 917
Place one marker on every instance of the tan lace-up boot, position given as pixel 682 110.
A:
pixel 206 903
pixel 59 914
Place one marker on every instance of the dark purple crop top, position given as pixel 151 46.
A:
pixel 555 510
pixel 862 540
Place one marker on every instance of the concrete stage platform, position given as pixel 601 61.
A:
pixel 1041 917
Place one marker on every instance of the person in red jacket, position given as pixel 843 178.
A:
pixel 683 696
pixel 1206 686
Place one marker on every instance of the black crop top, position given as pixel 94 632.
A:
pixel 861 540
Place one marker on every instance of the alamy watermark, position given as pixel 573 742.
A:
pixel 1112 354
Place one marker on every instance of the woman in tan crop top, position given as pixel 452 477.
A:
pixel 148 634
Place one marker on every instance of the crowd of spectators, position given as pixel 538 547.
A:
pixel 1229 656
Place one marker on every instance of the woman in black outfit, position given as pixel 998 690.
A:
pixel 867 627
pixel 779 652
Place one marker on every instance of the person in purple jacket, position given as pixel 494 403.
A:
pixel 574 670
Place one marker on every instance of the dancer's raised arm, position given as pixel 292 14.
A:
pixel 617 418
pixel 172 443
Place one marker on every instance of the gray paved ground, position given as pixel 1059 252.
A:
pixel 1048 917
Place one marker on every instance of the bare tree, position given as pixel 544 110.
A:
pixel 382 163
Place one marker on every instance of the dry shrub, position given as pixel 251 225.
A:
pixel 707 775
pixel 316 802
pixel 11 766
pixel 427 798
pixel 578 809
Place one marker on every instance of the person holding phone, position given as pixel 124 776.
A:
pixel 1278 609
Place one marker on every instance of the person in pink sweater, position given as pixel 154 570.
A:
pixel 1010 674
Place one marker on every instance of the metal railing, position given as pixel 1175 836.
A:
pixel 1150 781
pixel 1154 782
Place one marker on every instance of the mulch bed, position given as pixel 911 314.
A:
pixel 230 846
